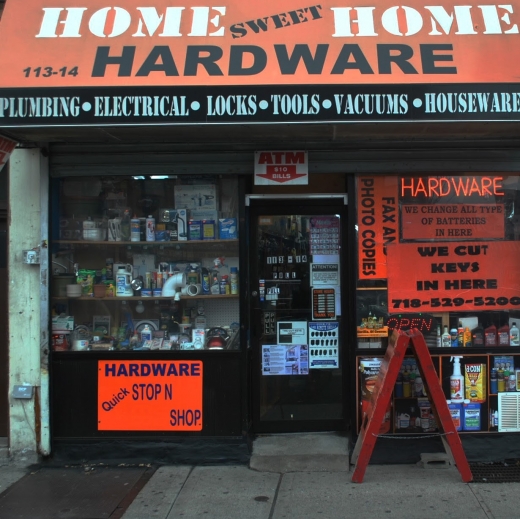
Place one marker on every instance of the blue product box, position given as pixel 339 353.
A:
pixel 227 228
pixel 195 229
pixel 471 417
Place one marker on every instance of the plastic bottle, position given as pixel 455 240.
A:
pixel 500 381
pixel 135 229
pixel 446 338
pixel 456 382
pixel 146 333
pixel 233 280
pixel 503 335
pixel 467 338
pixel 206 281
pixel 454 338
pixel 460 335
pixel 493 381
pixel 478 336
pixel 514 335
pixel 150 228
pixel 439 337
pixel 490 336
pixel 456 413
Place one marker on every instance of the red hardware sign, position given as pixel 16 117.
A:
pixel 159 395
pixel 444 277
pixel 154 42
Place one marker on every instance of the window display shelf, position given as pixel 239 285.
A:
pixel 149 243
pixel 146 298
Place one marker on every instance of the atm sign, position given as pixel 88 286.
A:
pixel 281 167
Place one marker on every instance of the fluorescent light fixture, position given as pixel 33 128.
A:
pixel 160 177
pixel 139 178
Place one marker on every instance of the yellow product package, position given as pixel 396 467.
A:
pixel 475 382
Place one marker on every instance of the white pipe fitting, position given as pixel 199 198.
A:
pixel 192 290
pixel 174 284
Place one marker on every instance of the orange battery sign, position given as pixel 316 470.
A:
pixel 159 395
pixel 452 221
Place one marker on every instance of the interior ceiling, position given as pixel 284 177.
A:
pixel 309 136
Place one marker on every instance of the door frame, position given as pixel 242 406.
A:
pixel 271 200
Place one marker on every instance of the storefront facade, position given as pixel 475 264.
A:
pixel 287 154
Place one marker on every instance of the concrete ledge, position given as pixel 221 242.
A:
pixel 301 452
pixel 434 460
pixel 300 463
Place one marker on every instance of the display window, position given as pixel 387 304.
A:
pixel 145 263
pixel 439 253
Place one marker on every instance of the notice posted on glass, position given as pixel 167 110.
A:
pixel 280 359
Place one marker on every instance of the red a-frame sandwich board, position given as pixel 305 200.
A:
pixel 373 418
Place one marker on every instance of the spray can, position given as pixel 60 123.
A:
pixel 456 381
pixel 205 281
pixel 150 228
pixel 135 229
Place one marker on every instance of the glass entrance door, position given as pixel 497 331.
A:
pixel 296 314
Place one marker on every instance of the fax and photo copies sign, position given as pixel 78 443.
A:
pixel 6 148
pixel 142 395
pixel 281 167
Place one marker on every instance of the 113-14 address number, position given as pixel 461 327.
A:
pixel 50 71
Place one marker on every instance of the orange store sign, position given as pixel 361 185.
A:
pixel 378 223
pixel 452 222
pixel 153 42
pixel 150 395
pixel 443 277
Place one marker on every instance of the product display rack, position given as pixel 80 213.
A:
pixel 404 408
pixel 91 254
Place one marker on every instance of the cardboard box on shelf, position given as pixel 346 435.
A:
pixel 197 196
pixel 227 229
pixel 63 323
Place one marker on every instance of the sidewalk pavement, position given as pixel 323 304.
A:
pixel 238 492
pixel 403 491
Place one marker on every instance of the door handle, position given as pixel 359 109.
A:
pixel 254 293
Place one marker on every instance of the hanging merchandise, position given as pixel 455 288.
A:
pixel 456 381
